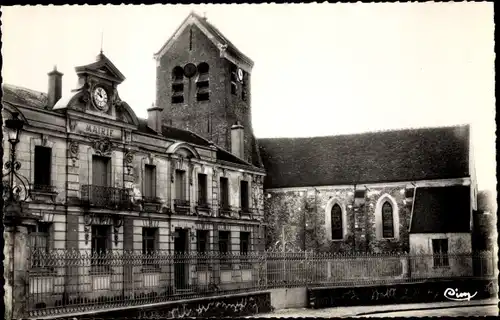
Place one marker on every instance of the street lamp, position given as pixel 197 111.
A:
pixel 13 209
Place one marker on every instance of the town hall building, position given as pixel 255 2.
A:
pixel 192 177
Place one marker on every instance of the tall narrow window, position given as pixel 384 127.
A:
pixel 202 241
pixel 180 192
pixel 224 248
pixel 244 87
pixel 234 79
pixel 244 196
pixel 149 245
pixel 43 166
pixel 440 252
pixel 101 173
pixel 224 193
pixel 202 189
pixel 387 220
pixel 244 248
pixel 149 181
pixel 336 220
pixel 202 83
pixel 101 243
pixel 39 236
pixel 177 85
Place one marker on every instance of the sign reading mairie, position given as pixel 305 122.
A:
pixel 97 130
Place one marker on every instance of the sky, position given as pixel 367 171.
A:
pixel 320 69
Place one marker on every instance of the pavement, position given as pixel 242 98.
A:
pixel 488 307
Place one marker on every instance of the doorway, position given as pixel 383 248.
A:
pixel 181 264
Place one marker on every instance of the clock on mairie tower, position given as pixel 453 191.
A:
pixel 100 80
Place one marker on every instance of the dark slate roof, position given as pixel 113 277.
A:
pixel 23 96
pixel 399 155
pixel 441 210
pixel 192 138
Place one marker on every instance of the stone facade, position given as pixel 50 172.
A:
pixel 71 204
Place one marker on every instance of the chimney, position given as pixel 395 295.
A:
pixel 237 140
pixel 55 87
pixel 154 118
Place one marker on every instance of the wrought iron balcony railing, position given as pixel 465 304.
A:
pixel 224 209
pixel 151 203
pixel 42 188
pixel 202 204
pixel 181 206
pixel 106 197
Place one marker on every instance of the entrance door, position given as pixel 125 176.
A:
pixel 181 267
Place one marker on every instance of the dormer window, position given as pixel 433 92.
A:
pixel 202 84
pixel 177 85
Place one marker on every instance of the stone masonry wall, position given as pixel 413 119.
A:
pixel 286 210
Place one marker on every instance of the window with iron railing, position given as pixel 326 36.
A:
pixel 43 169
pixel 101 244
pixel 40 239
pixel 149 182
pixel 440 252
pixel 224 249
pixel 244 248
pixel 202 190
pixel 149 246
pixel 244 197
pixel 101 171
pixel 202 247
pixel 181 202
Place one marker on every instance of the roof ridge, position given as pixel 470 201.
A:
pixel 371 132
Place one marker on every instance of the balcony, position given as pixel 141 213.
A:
pixel 202 206
pixel 181 206
pixel 246 213
pixel 224 210
pixel 106 197
pixel 151 204
pixel 40 192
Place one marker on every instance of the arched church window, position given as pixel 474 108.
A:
pixel 336 220
pixel 177 85
pixel 387 220
pixel 202 84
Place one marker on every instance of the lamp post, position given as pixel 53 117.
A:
pixel 12 192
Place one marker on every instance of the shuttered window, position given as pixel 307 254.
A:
pixel 224 193
pixel 150 181
pixel 101 171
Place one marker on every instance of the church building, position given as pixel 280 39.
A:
pixel 371 192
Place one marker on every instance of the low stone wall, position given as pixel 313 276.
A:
pixel 237 305
pixel 428 291
pixel 285 298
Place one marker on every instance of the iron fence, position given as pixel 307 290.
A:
pixel 68 281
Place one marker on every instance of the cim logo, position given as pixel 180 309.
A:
pixel 455 295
